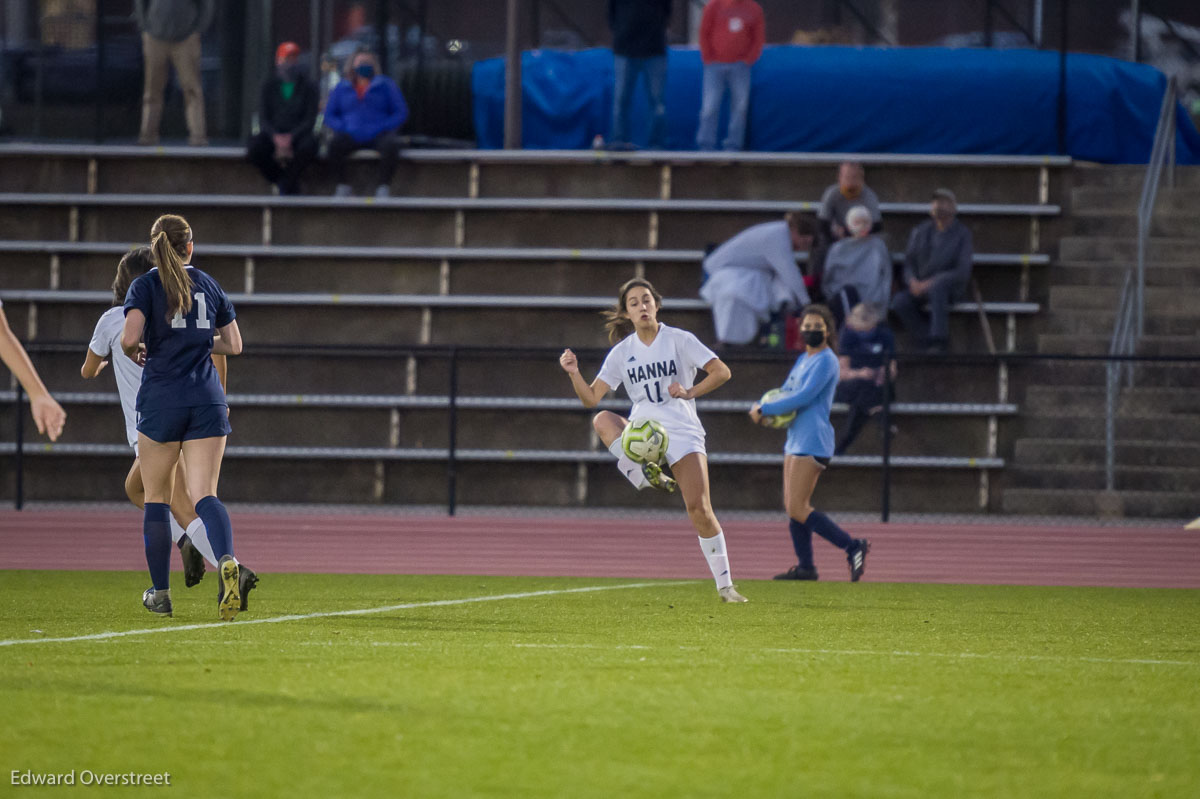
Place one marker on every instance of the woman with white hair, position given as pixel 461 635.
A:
pixel 858 268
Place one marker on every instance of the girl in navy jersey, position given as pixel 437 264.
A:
pixel 809 391
pixel 657 364
pixel 187 530
pixel 172 314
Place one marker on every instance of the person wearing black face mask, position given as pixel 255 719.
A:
pixel 808 393
pixel 285 145
pixel 365 112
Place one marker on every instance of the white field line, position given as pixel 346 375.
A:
pixel 329 614
pixel 986 656
pixel 776 651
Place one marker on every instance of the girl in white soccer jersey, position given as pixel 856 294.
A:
pixel 186 528
pixel 657 364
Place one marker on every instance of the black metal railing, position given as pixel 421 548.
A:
pixel 945 369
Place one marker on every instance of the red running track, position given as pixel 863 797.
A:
pixel 992 553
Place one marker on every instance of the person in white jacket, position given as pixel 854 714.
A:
pixel 754 275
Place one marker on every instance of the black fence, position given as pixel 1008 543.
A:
pixel 1033 434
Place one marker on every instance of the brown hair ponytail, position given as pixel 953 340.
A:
pixel 169 239
pixel 617 323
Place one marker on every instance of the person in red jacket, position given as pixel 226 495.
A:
pixel 731 40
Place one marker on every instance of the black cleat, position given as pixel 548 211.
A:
pixel 797 573
pixel 857 558
pixel 248 580
pixel 193 562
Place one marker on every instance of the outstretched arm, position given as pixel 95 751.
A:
pixel 48 415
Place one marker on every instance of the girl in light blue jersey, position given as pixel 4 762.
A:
pixel 809 391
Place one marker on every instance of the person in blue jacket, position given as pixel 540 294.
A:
pixel 176 318
pixel 809 391
pixel 365 111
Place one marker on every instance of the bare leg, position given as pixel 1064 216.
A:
pixel 800 475
pixel 691 472
pixel 133 485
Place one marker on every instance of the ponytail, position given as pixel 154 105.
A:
pixel 169 239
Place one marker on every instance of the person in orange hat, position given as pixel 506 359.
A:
pixel 285 144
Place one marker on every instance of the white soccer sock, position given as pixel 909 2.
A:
pixel 718 559
pixel 631 470
pixel 199 535
pixel 176 531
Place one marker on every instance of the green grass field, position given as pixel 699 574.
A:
pixel 829 689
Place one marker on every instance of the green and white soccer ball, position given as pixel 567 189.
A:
pixel 644 441
pixel 776 421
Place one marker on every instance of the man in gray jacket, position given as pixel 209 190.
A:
pixel 937 268
pixel 171 33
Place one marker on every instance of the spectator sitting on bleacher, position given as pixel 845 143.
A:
pixel 285 145
pixel 850 190
pixel 754 275
pixel 937 269
pixel 365 111
pixel 857 269
pixel 865 348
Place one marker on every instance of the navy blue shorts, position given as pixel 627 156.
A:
pixel 184 424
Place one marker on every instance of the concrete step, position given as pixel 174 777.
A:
pixel 1159 300
pixel 1100 323
pixel 1132 504
pixel 1128 177
pixel 1125 478
pixel 1090 273
pixel 1100 199
pixel 1071 344
pixel 1091 452
pixel 1093 374
pixel 1089 401
pixel 1171 223
pixel 1123 249
pixel 1152 427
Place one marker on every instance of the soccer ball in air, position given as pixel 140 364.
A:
pixel 776 421
pixel 644 441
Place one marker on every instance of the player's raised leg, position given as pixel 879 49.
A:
pixel 692 473
pixel 609 427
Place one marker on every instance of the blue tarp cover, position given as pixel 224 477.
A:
pixel 859 100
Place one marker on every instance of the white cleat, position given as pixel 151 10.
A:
pixel 730 594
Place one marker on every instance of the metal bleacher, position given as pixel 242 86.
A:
pixel 479 238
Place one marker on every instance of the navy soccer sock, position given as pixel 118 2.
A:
pixel 216 521
pixel 825 527
pixel 802 542
pixel 156 532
